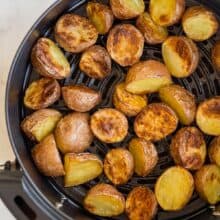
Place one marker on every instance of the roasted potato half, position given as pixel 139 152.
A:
pixel 155 122
pixel 119 166
pixel 100 15
pixel 104 200
pixel 75 33
pixel 125 44
pixel 109 125
pixel 216 55
pixel 181 101
pixel 42 93
pixel 174 188
pixel 145 156
pixel 199 23
pixel 46 157
pixel 207 183
pixel 166 13
pixel 141 204
pixel 40 123
pixel 128 103
pixel 48 60
pixel 81 168
pixel 73 134
pixel 147 77
pixel 180 55
pixel 153 33
pixel 214 151
pixel 80 98
pixel 96 62
pixel 208 116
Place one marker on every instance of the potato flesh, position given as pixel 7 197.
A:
pixel 214 151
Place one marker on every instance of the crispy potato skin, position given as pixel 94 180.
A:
pixel 155 122
pixel 125 44
pixel 188 148
pixel 42 93
pixel 145 156
pixel 216 55
pixel 100 15
pixel 46 157
pixel 107 192
pixel 214 151
pixel 141 204
pixel 80 98
pixel 75 33
pixel 119 166
pixel 73 134
pixel 109 125
pixel 96 62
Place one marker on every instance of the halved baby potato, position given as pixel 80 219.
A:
pixel 81 168
pixel 208 116
pixel 42 93
pixel 104 200
pixel 125 44
pixel 40 123
pixel 48 60
pixel 199 23
pixel 174 188
pixel 75 33
pixel 155 122
pixel 96 62
pixel 145 156
pixel 119 166
pixel 181 101
pixel 214 151
pixel 216 55
pixel 180 55
pixel 46 157
pixel 80 98
pixel 147 77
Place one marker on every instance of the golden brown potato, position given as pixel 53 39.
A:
pixel 101 16
pixel 174 188
pixel 181 101
pixel 207 183
pixel 96 62
pixel 141 204
pixel 75 33
pixel 81 168
pixel 80 98
pixel 188 148
pixel 46 157
pixel 199 23
pixel 48 60
pixel 144 154
pixel 128 103
pixel 166 13
pixel 109 125
pixel 216 55
pixel 155 122
pixel 73 134
pixel 119 166
pixel 147 77
pixel 126 9
pixel 180 55
pixel 42 93
pixel 125 44
pixel 208 116
pixel 214 151
pixel 104 200
pixel 40 123
pixel 153 33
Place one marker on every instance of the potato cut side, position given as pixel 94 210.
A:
pixel 216 55
pixel 214 151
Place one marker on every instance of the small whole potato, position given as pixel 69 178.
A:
pixel 216 55
pixel 73 134
pixel 125 44
pixel 214 151
pixel 180 55
pixel 80 98
pixel 42 93
pixel 48 60
pixel 119 166
pixel 104 200
pixel 96 62
pixel 75 33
